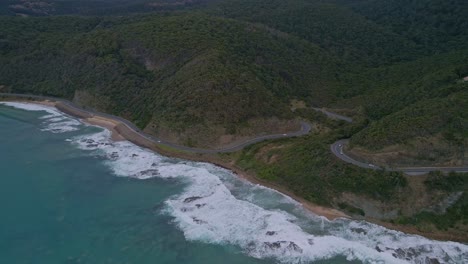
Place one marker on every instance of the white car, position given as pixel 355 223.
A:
pixel 371 165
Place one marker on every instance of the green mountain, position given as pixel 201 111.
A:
pixel 94 7
pixel 210 73
pixel 174 75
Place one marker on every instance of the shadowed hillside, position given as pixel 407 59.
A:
pixel 185 77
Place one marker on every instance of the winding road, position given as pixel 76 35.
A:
pixel 337 149
pixel 87 113
pixel 333 115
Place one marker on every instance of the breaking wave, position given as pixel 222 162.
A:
pixel 218 207
pixel 55 121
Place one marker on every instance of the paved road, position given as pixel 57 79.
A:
pixel 337 149
pixel 334 115
pixel 305 127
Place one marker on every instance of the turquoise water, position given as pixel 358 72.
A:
pixel 70 195
pixel 60 205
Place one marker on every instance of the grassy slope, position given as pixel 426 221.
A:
pixel 307 167
pixel 390 95
pixel 456 217
pixel 413 101
pixel 171 68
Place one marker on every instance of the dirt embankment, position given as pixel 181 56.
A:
pixel 433 151
pixel 72 111
pixel 122 132
pixel 141 141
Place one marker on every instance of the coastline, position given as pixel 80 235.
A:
pixel 120 131
pixel 113 126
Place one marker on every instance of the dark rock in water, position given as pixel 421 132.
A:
pixel 411 252
pixel 251 247
pixel 359 230
pixel 270 233
pixel 114 155
pixel 431 261
pixel 185 209
pixel 150 172
pixel 92 145
pixel 153 164
pixel 198 221
pixel 310 241
pixel 274 245
pixel 399 253
pixel 200 205
pixel 191 199
pixel 378 249
pixel 134 155
pixel 89 141
pixel 295 247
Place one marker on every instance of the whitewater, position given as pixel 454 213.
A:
pixel 217 207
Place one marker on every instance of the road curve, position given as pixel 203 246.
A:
pixel 337 149
pixel 84 113
pixel 334 115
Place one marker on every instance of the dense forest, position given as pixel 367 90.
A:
pixel 95 7
pixel 195 71
pixel 177 71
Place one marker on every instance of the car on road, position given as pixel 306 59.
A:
pixel 371 165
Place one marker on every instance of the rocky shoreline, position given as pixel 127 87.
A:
pixel 120 131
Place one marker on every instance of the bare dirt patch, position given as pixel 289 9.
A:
pixel 431 152
pixel 297 104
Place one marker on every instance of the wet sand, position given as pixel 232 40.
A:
pixel 120 132
pixel 106 123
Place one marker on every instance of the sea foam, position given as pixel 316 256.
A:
pixel 55 121
pixel 208 211
pixel 217 207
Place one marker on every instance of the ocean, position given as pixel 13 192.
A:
pixel 71 195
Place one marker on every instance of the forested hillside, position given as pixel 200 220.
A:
pixel 337 29
pixel 94 7
pixel 171 72
pixel 206 73
pixel 434 25
pixel 362 54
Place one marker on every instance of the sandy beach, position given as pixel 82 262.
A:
pixel 117 127
pixel 120 131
